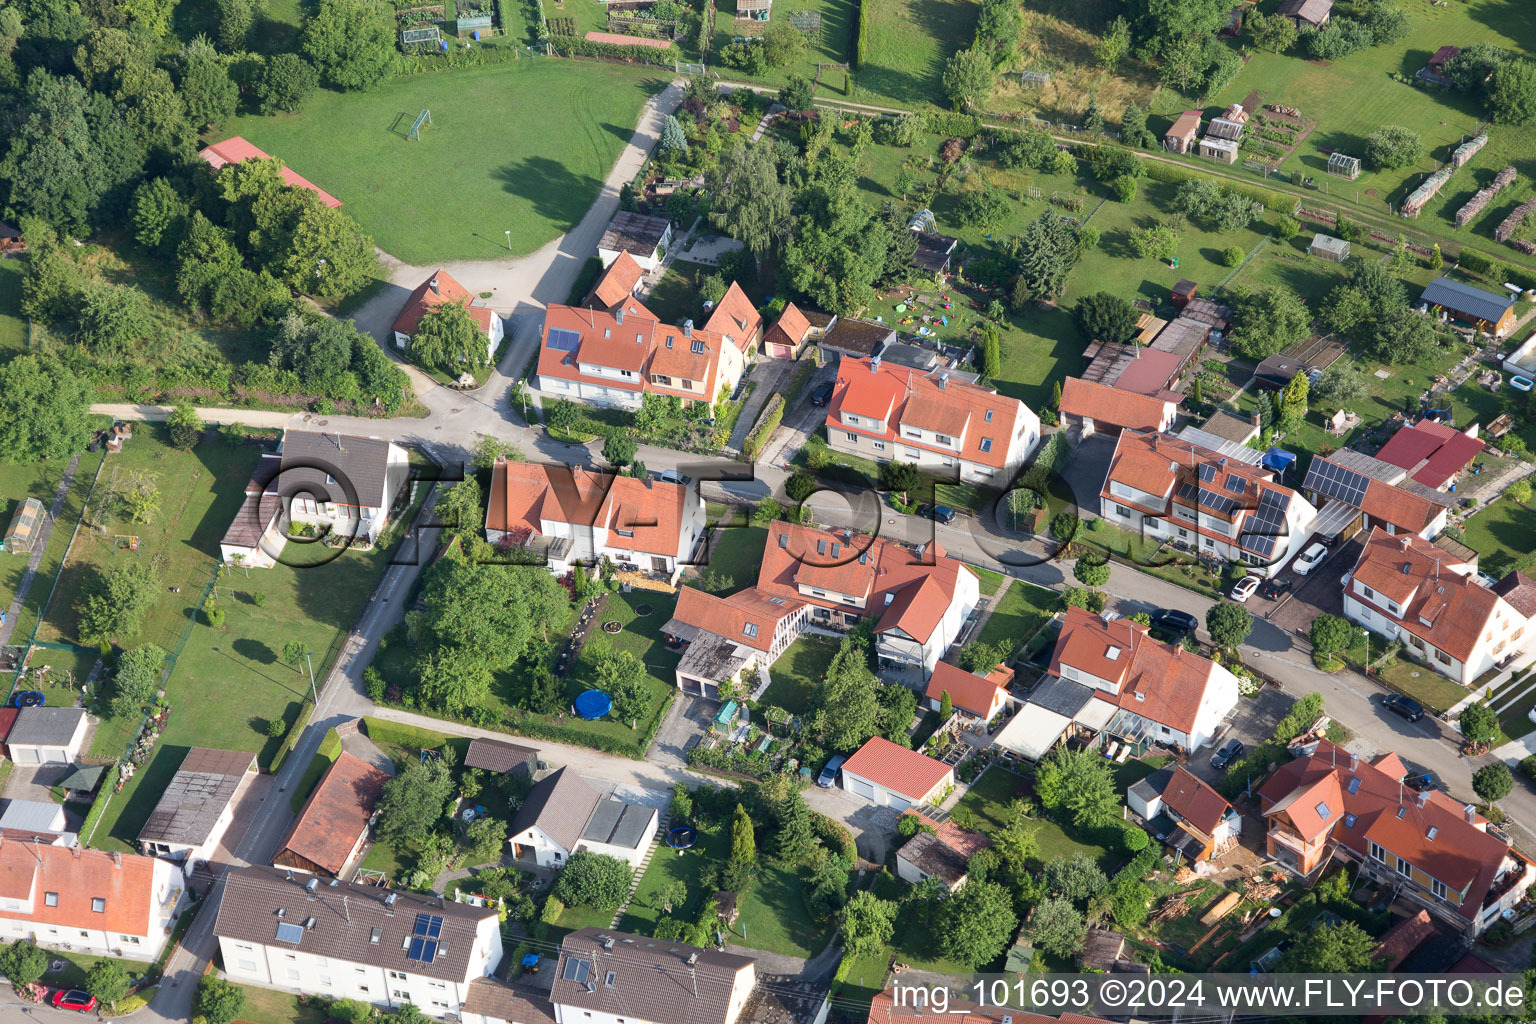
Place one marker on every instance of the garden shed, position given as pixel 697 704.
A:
pixel 22 533
pixel 1343 165
pixel 1180 138
pixel 1334 250
pixel 754 10
pixel 1223 151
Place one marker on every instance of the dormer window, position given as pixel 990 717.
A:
pixel 749 630
pixel 698 345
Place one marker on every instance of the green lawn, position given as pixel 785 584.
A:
pixel 13 327
pixel 40 481
pixel 988 798
pixel 266 1006
pixel 738 554
pixel 797 674
pixel 988 580
pixel 1020 614
pixel 1501 534
pixel 830 45
pixel 325 756
pixel 909 43
pixel 519 147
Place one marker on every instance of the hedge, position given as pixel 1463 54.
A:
pixel 1495 270
pixel 295 730
pixel 949 123
pixel 835 835
pixel 104 797
pixel 575 46
pixel 767 423
pixel 704 26
pixel 399 734
pixel 454 59
pixel 1162 170
pixel 861 40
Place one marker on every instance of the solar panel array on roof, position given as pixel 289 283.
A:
pixel 1207 498
pixel 1335 482
pixel 576 970
pixel 1267 523
pixel 1207 472
pixel 562 340
pixel 289 932
pixel 424 938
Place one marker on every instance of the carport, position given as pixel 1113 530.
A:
pixel 1033 732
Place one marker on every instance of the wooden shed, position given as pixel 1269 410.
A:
pixel 25 524
pixel 1183 290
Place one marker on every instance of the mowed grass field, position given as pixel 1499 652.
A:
pixel 13 326
pixel 520 147
pixel 1352 97
pixel 909 43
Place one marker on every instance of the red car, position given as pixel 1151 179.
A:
pixel 74 999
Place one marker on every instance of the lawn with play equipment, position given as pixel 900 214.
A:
pixel 521 147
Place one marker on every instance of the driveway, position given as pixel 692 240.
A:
pixel 772 377
pixel 801 419
pixel 686 721
pixel 1086 471
pixel 1252 721
pixel 33 782
pixel 873 827
pixel 1312 594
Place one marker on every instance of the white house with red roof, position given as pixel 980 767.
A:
pixel 1226 509
pixel 1431 599
pixel 87 901
pixel 933 420
pixel 437 290
pixel 1091 408
pixel 238 150
pixel 737 637
pixel 734 317
pixel 980 697
pixel 894 776
pixel 570 515
pixel 1329 804
pixel 619 284
pixel 1111 683
pixel 614 357
pixel 1205 825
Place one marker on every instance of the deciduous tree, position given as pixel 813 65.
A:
pixel 1341 947
pixel 218 1001
pixel 1268 320
pixel 114 607
pixel 1492 782
pixel 415 800
pixel 136 678
pixel 352 42
pixel 593 880
pixel 285 83
pixel 1229 624
pixel 1392 146
pixel 868 924
pixel 968 77
pixel 747 199
pixel 1078 783
pixel 977 923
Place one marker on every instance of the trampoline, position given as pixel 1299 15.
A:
pixel 682 837
pixel 593 704
pixel 30 699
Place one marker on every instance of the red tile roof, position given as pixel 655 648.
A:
pixel 735 317
pixel 729 616
pixel 237 150
pixel 1161 682
pixel 524 495
pixel 1356 803
pixel 1441 601
pixel 968 691
pixel 618 282
pixel 901 396
pixel 336 813
pixel 423 299
pixel 1431 453
pixel 897 769
pixel 124 881
pixel 1113 407
pixel 790 329
pixel 7 719
pixel 1195 802
pixel 1386 503
pixel 1402 939
pixel 637 343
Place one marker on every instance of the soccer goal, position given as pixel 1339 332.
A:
pixel 683 67
pixel 423 118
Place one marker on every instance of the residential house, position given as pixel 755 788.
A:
pixel 919 598
pixel 618 285
pixel 1331 805
pixel 1306 12
pixel 1205 825
pixel 565 814
pixel 606 976
pixel 895 776
pixel 1431 600
pixel 789 334
pixel 575 516
pixel 1225 509
pixel 933 420
pixel 340 484
pixel 1180 138
pixel 237 150
pixel 501 758
pixel 87 901
pixel 343 940
pixel 737 320
pixel 942 851
pixel 613 358
pixel 1490 312
pixel 645 238
pixel 328 835
pixel 856 339
pixel 1094 408
pixel 1433 454
pixel 196 807
pixel 1359 491
pixel 36 821
pixel 47 735
pixel 441 289
pixel 980 697
pixel 736 637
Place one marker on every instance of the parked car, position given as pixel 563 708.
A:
pixel 1309 559
pixel 73 999
pixel 1230 751
pixel 1276 587
pixel 828 777
pixel 1244 589
pixel 822 395
pixel 938 513
pixel 1174 620
pixel 1405 706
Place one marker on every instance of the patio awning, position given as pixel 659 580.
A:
pixel 1033 731
pixel 1095 715
pixel 1127 725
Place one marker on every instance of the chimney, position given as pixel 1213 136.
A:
pixel 943 380
pixel 618 315
pixel 874 365
pixel 433 285
pixel 117 859
pixel 1354 761
pixel 1405 542
pixel 687 328
pixel 1253 418
pixel 1471 813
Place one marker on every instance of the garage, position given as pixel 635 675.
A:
pixel 45 735
pixel 893 776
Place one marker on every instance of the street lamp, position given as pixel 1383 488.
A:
pixel 313 695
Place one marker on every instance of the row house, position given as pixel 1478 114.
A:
pixel 1225 509
pixel 1356 490
pixel 934 420
pixel 1432 599
pixel 344 940
pixel 569 515
pixel 1331 804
